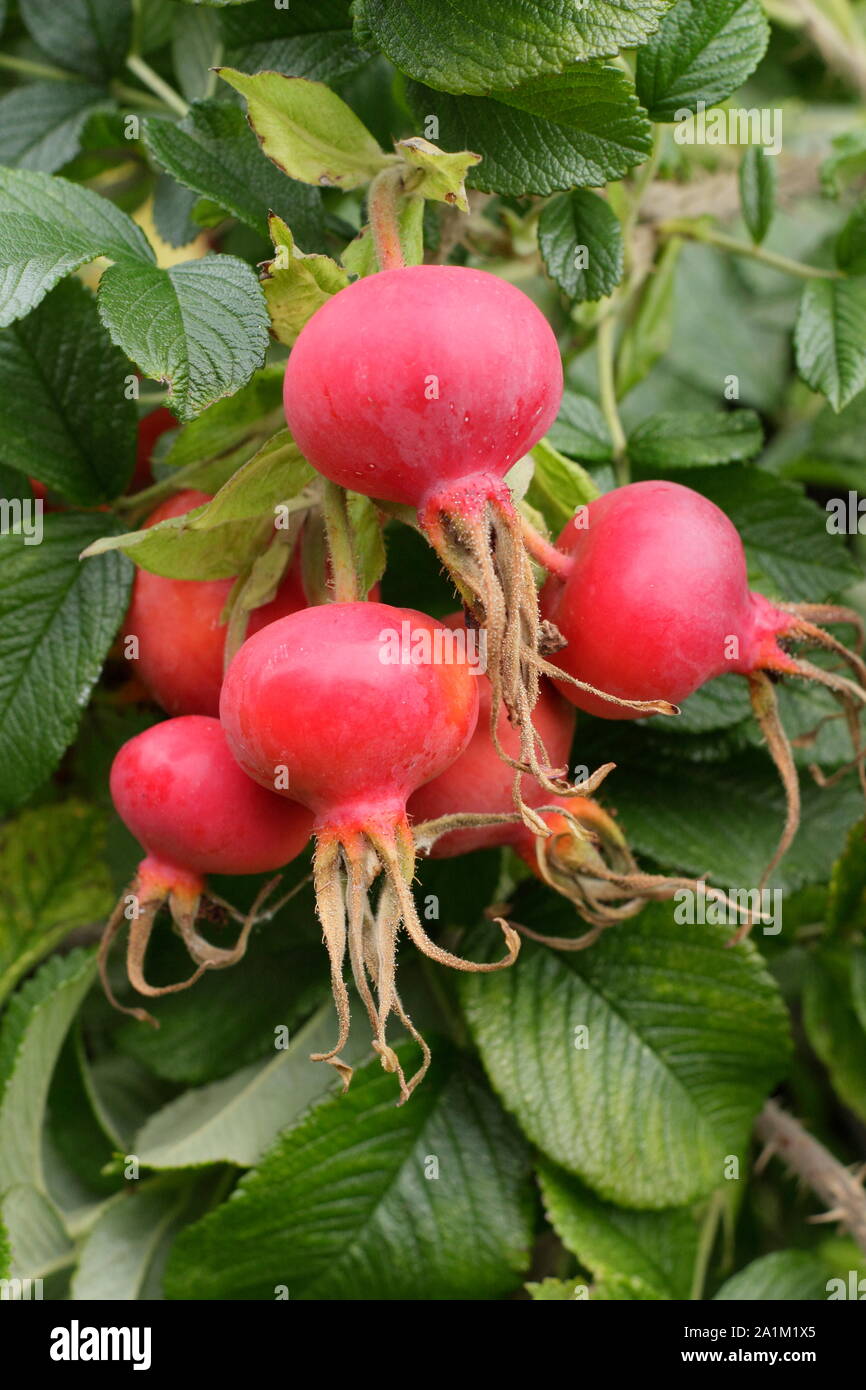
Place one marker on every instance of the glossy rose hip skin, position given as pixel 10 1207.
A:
pixel 410 380
pixel 656 602
pixel 314 706
pixel 423 386
pixel 180 792
pixel 480 782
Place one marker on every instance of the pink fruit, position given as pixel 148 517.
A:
pixel 479 782
pixel 655 602
pixel 181 639
pixel 423 386
pixel 345 708
pixel 412 381
pixel 180 792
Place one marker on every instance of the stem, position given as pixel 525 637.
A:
pixel 829 1179
pixel 709 1230
pixel 137 28
pixel 544 552
pixel 145 73
pixel 684 228
pixel 134 96
pixel 605 345
pixel 342 553
pixel 383 208
pixel 643 180
pixel 29 69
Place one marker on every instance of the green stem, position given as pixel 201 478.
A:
pixel 383 205
pixel 134 96
pixel 341 550
pixel 605 347
pixel 145 73
pixel 709 235
pixel 137 27
pixel 644 178
pixel 707 1240
pixel 46 70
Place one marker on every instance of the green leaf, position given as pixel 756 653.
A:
pixel 368 541
pixel 472 46
pixel 122 1093
pixel 581 128
pixel 74 1127
pixel 833 1026
pixel 277 473
pixel 685 1039
pixel 207 451
pixel 785 1275
pixel 216 540
pixel 307 130
pixel 703 51
pixel 581 244
pixel 619 1290
pixel 366 1200
pixel 126 1249
pixel 835 438
pixel 196 47
pixel 52 880
pixel 846 163
pixel 758 183
pixel 173 207
pixel 439 176
pixel 784 532
pixel 748 343
pixel 554 1290
pixel 34 1027
pixel 42 123
pixel 92 37
pixel 214 152
pixel 558 486
pixel 51 227
pixel 695 439
pixel 655 1250
pixel 580 429
pixel 858 984
pixel 65 416
pixel 312 38
pixel 228 1021
pixel 725 819
pixel 845 903
pixel 57 621
pixel 39 1244
pixel 851 242
pixel 649 332
pixel 296 284
pixel 201 326
pixel 830 338
pixel 235 1120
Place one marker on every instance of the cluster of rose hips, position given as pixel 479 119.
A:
pixel 420 388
